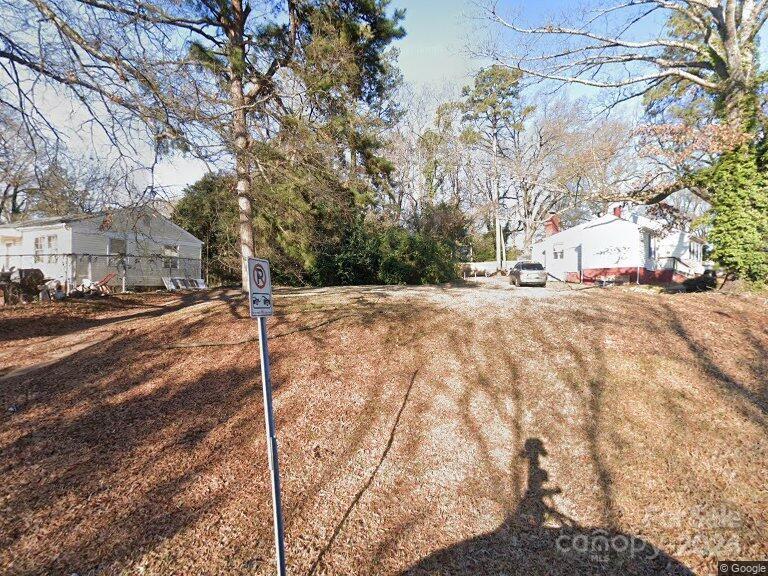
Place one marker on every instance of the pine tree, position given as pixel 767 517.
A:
pixel 739 215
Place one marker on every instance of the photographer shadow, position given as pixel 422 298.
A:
pixel 536 539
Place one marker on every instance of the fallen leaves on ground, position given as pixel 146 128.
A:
pixel 434 430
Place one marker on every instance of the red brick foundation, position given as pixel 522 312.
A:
pixel 592 275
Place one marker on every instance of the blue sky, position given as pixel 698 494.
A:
pixel 442 33
pixel 434 52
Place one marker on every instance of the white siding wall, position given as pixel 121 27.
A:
pixel 81 249
pixel 677 245
pixel 10 245
pixel 612 244
pixel 566 243
pixel 607 242
pixel 51 262
pixel 145 236
pixel 88 247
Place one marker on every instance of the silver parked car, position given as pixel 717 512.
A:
pixel 528 274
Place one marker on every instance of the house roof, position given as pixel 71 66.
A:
pixel 584 225
pixel 66 219
pixel 48 221
pixel 639 220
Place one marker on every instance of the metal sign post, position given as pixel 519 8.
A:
pixel 260 292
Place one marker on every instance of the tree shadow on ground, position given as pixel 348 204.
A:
pixel 536 538
pixel 52 322
pixel 92 453
pixel 118 449
pixel 711 365
pixel 120 434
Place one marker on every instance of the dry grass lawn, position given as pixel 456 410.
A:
pixel 423 431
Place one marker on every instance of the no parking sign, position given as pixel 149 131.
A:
pixel 260 288
pixel 260 304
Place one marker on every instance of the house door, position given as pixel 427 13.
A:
pixel 649 250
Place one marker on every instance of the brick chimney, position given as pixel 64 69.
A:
pixel 617 211
pixel 552 225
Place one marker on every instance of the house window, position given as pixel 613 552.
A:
pixel 694 250
pixel 39 249
pixel 558 252
pixel 170 257
pixel 117 249
pixel 45 245
pixel 52 243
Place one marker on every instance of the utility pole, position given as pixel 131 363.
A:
pixel 496 199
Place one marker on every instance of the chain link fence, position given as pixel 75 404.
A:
pixel 124 272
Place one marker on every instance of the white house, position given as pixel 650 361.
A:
pixel 629 245
pixel 139 245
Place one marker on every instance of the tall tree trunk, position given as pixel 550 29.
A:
pixel 740 80
pixel 16 205
pixel 528 240
pixel 738 110
pixel 242 141
pixel 5 197
pixel 497 203
pixel 498 239
pixel 244 198
pixel 502 244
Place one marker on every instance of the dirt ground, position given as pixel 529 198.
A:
pixel 423 431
